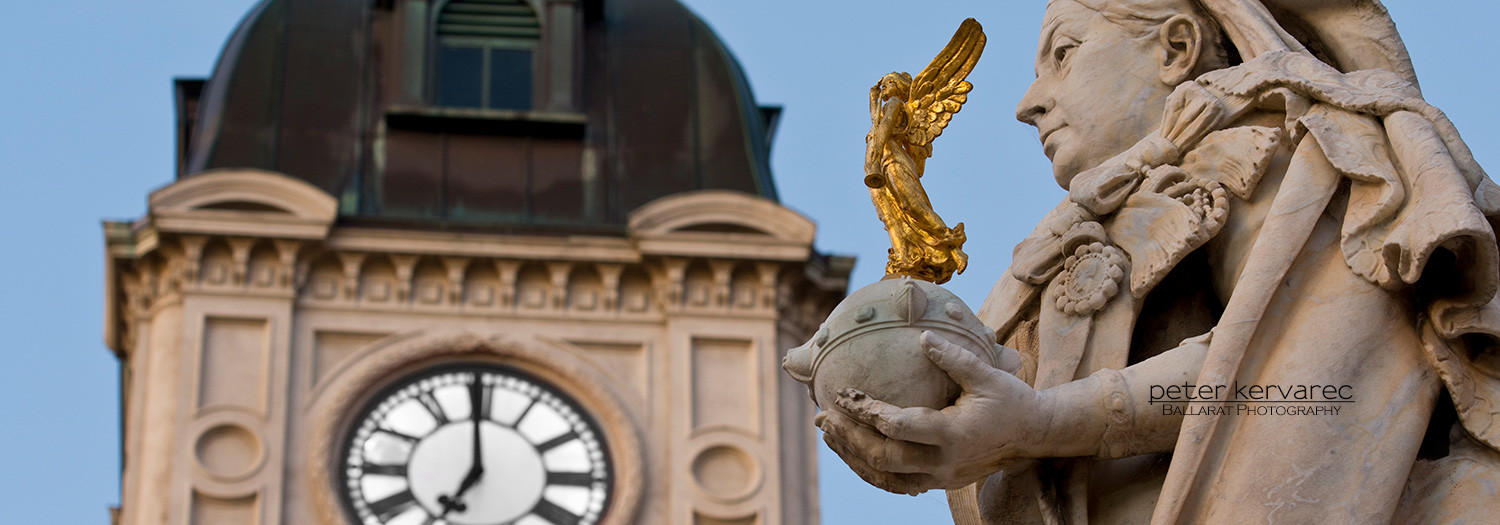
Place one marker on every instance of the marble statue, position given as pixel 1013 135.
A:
pixel 1269 295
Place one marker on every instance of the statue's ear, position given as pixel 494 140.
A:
pixel 1181 46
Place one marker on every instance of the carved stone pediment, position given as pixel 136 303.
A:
pixel 245 202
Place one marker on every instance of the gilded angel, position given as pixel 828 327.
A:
pixel 906 115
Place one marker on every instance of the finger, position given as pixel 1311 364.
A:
pixel 1010 359
pixel 963 366
pixel 909 484
pixel 879 452
pixel 916 424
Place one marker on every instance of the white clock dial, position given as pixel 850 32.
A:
pixel 475 444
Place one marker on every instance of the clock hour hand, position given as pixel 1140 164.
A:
pixel 476 466
pixel 456 502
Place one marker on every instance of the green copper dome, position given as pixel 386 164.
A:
pixel 559 116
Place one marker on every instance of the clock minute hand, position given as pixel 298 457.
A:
pixel 476 402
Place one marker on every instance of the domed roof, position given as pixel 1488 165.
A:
pixel 331 92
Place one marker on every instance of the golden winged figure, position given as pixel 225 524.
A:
pixel 906 115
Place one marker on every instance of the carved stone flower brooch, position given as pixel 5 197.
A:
pixel 1090 277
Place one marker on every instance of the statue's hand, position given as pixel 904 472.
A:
pixel 912 450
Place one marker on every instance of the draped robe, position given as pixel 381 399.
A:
pixel 1333 229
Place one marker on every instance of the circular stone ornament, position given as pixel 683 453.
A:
pixel 1090 278
pixel 229 451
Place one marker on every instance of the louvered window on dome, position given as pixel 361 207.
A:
pixel 486 54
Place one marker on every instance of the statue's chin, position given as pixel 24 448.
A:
pixel 1063 176
pixel 1064 168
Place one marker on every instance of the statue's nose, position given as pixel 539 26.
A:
pixel 1033 105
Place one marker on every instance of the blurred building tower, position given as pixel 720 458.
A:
pixel 379 202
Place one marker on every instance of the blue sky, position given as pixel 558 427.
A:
pixel 86 131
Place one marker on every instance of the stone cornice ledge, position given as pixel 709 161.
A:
pixel 575 248
pixel 723 246
pixel 240 223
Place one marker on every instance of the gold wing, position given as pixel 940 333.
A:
pixel 940 90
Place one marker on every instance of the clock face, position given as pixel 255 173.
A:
pixel 421 454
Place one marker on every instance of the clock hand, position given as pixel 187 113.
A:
pixel 456 502
pixel 476 399
pixel 476 466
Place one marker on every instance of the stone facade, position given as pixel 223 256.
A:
pixel 251 325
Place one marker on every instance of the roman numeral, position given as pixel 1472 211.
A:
pixel 394 504
pixel 432 406
pixel 486 401
pixel 398 435
pixel 556 442
pixel 525 411
pixel 554 514
pixel 385 470
pixel 576 479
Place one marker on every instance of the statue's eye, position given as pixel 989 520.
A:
pixel 1060 53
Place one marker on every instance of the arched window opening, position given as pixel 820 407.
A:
pixel 486 52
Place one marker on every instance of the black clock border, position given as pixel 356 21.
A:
pixel 367 404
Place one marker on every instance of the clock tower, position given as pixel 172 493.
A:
pixel 467 262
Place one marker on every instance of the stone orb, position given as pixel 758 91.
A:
pixel 870 343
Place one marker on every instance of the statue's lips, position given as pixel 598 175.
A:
pixel 1046 134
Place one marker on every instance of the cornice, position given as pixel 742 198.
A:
pixel 249 233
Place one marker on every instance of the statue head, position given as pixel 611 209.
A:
pixel 894 85
pixel 1104 69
